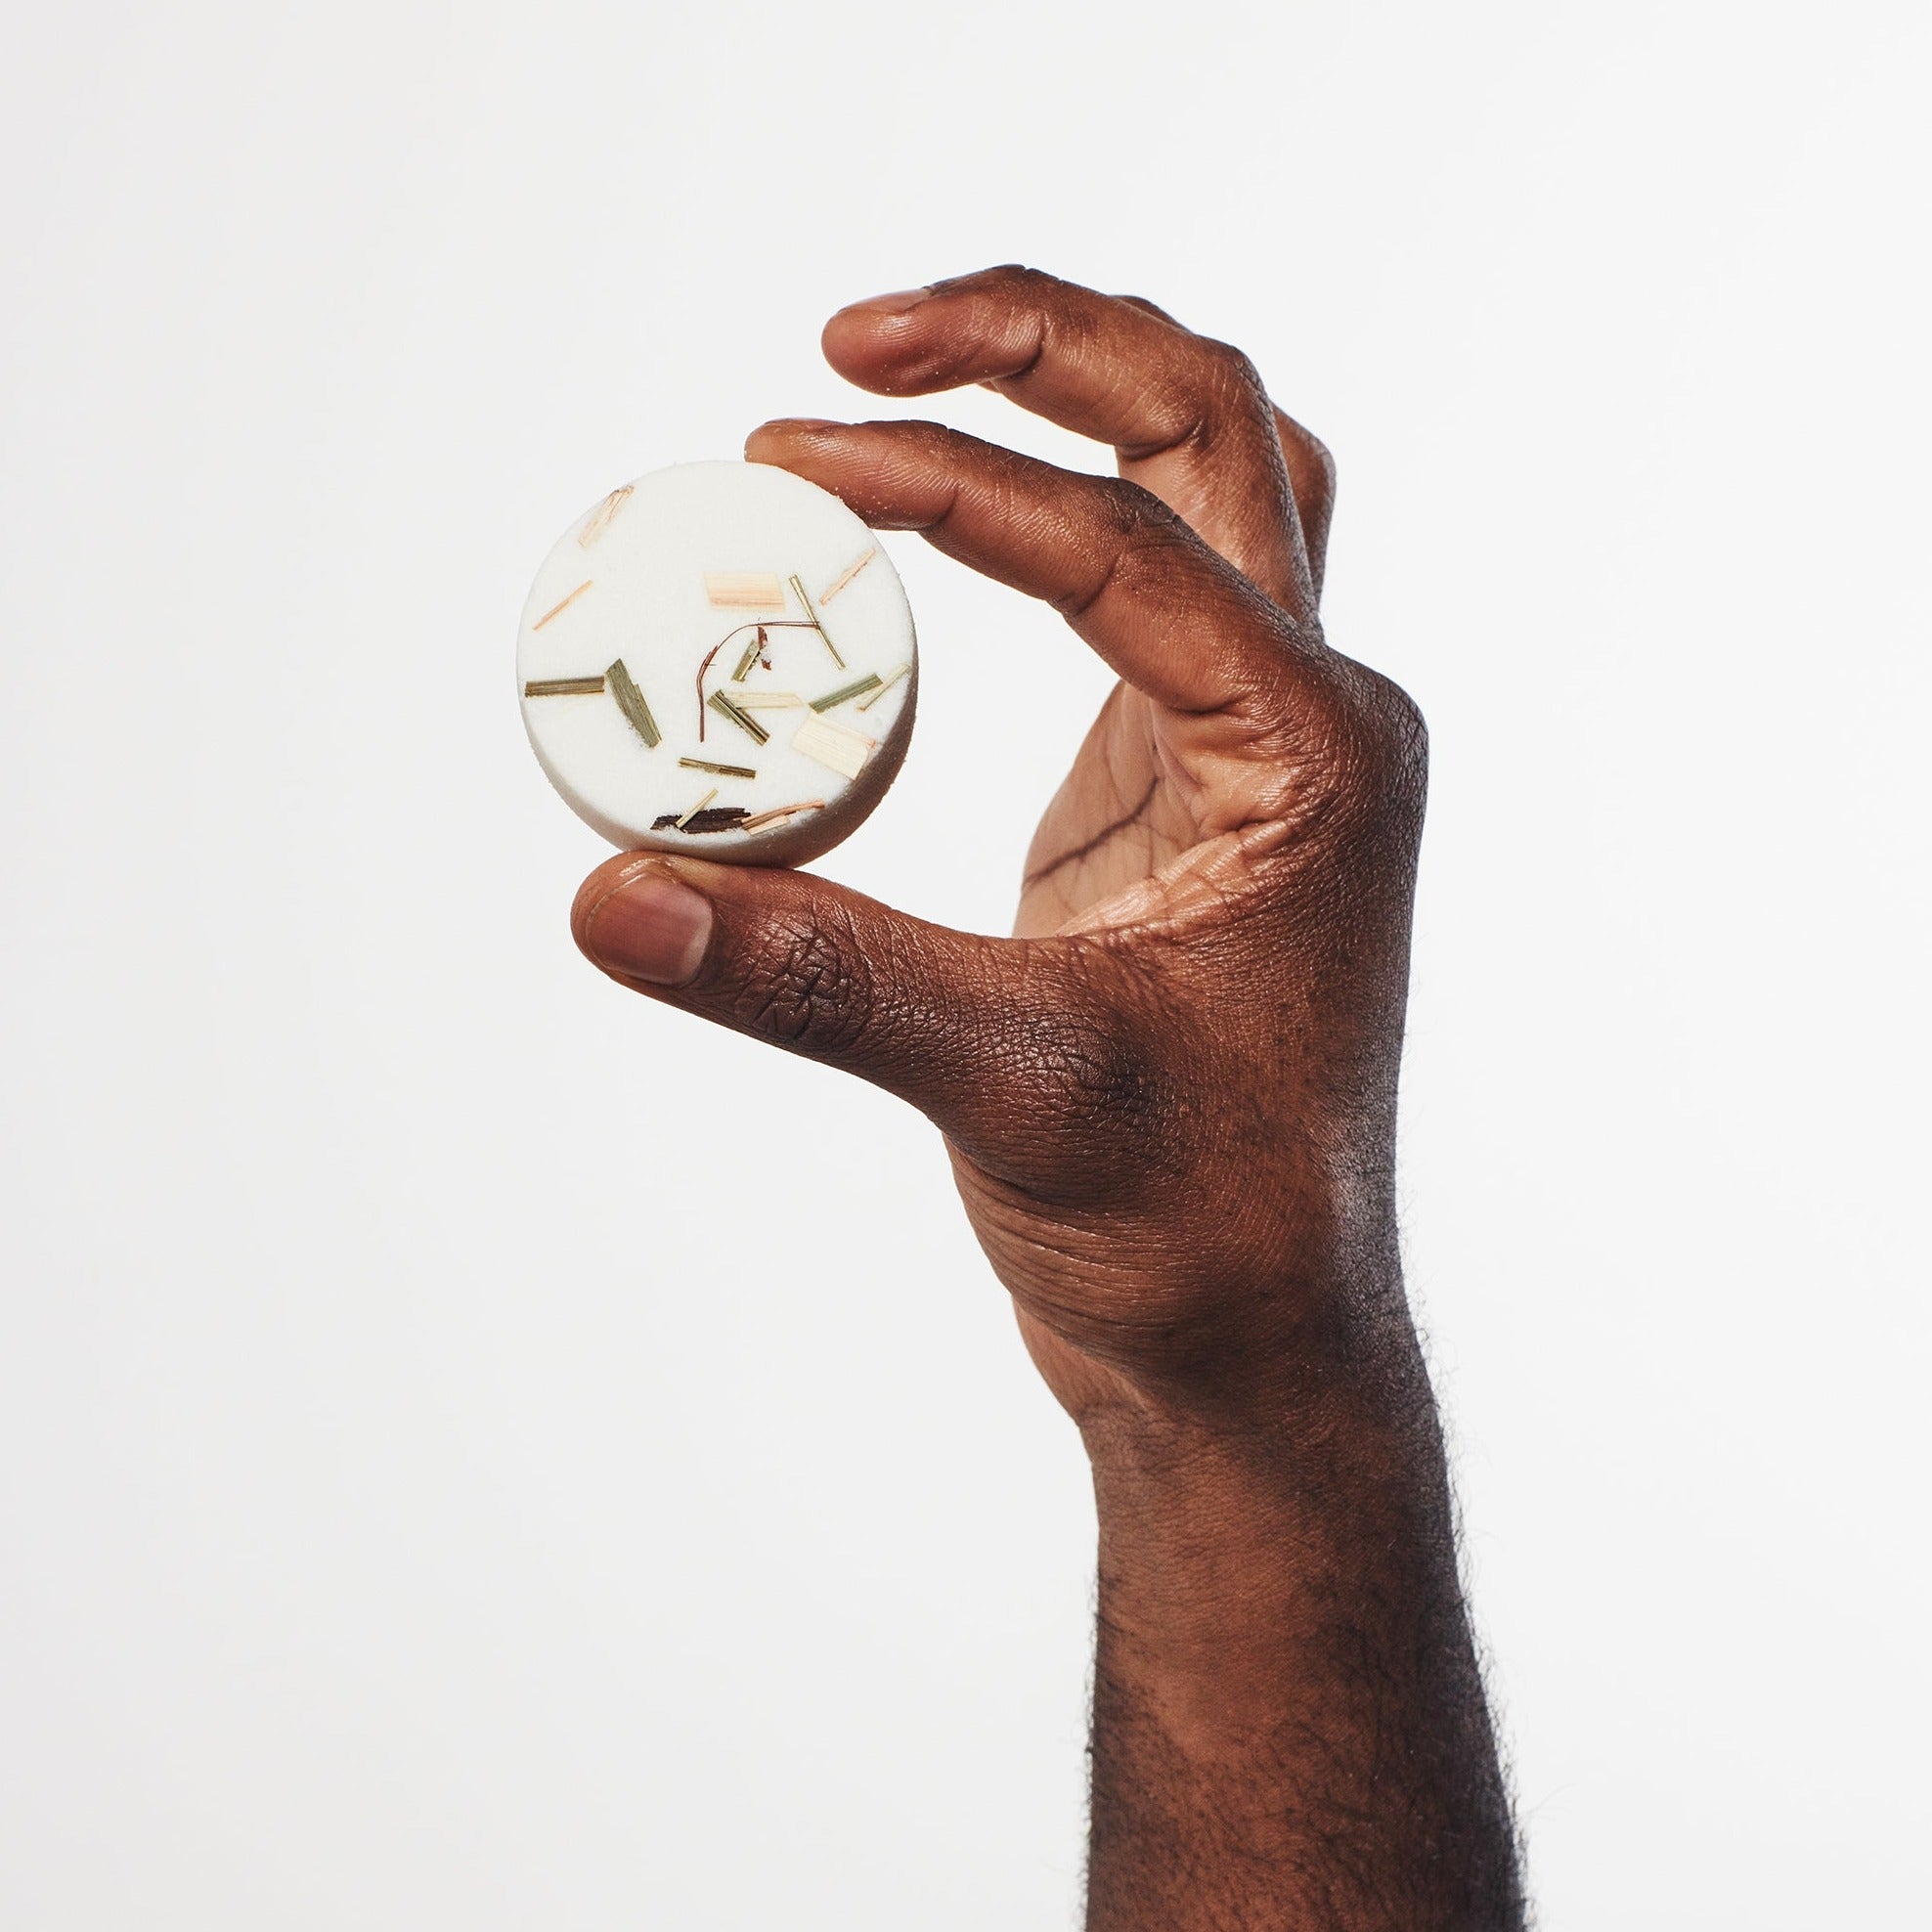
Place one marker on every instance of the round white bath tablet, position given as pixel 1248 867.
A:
pixel 719 659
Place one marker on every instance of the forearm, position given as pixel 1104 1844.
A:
pixel 1289 1727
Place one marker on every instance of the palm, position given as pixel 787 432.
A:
pixel 1116 820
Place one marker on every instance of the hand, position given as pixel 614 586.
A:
pixel 1169 1102
pixel 1168 1099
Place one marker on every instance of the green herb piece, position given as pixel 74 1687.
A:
pixel 749 725
pixel 751 656
pixel 723 771
pixel 816 625
pixel 885 688
pixel 857 686
pixel 563 688
pixel 631 702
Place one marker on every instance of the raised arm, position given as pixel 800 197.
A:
pixel 1170 1105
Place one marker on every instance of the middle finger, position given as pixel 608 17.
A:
pixel 1187 416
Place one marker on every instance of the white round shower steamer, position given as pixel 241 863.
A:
pixel 719 659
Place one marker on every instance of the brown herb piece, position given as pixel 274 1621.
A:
pixel 717 819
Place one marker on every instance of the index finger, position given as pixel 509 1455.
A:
pixel 1175 620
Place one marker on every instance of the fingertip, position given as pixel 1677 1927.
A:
pixel 639 920
pixel 865 341
pixel 773 442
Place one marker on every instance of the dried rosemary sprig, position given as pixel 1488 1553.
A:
pixel 855 688
pixel 631 702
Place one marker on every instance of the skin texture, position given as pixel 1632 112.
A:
pixel 1169 1101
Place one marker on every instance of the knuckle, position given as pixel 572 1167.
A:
pixel 1382 751
pixel 803 989
pixel 1015 279
pixel 1310 458
pixel 1233 368
pixel 1136 535
pixel 1093 1044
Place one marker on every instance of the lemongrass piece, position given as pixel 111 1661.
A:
pixel 890 682
pixel 744 589
pixel 751 727
pixel 681 823
pixel 751 656
pixel 799 587
pixel 855 688
pixel 563 688
pixel 834 746
pixel 631 702
pixel 755 697
pixel 604 515
pixel 557 610
pixel 760 819
pixel 723 771
pixel 846 576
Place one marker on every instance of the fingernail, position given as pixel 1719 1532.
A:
pixel 651 927
pixel 895 303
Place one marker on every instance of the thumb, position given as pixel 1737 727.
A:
pixel 1002 1043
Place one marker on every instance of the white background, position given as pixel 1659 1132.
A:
pixel 478 1451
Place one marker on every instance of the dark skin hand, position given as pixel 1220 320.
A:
pixel 1169 1102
